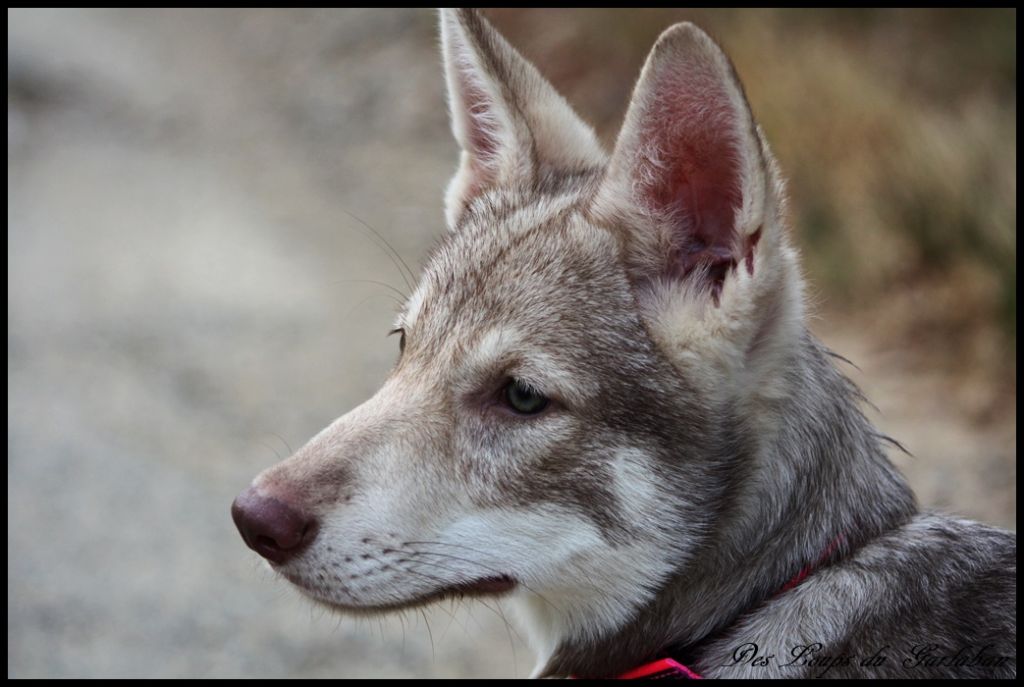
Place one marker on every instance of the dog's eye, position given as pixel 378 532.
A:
pixel 524 399
pixel 401 340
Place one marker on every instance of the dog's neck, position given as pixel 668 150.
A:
pixel 838 481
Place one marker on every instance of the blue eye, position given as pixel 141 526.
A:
pixel 524 399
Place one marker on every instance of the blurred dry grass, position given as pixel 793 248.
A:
pixel 897 133
pixel 896 130
pixel 178 183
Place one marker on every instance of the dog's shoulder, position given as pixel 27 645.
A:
pixel 935 597
pixel 943 593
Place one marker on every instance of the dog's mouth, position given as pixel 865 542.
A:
pixel 485 586
pixel 494 585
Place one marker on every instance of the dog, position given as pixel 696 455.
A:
pixel 608 409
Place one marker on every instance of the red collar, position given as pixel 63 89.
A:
pixel 662 669
pixel 671 669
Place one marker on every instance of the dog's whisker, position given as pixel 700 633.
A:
pixel 370 298
pixel 467 548
pixel 509 630
pixel 430 635
pixel 270 448
pixel 384 245
pixel 401 294
pixel 282 440
pixel 478 564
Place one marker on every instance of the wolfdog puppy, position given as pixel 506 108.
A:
pixel 608 409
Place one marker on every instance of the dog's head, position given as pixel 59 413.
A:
pixel 588 357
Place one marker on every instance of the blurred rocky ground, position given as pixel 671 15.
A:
pixel 191 296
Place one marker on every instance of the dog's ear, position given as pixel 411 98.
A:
pixel 513 127
pixel 695 191
pixel 689 162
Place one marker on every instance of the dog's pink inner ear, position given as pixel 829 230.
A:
pixel 689 172
pixel 483 139
pixel 481 127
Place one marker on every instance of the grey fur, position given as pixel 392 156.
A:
pixel 719 455
pixel 917 579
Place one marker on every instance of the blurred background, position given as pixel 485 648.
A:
pixel 186 191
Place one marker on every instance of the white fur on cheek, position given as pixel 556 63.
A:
pixel 573 583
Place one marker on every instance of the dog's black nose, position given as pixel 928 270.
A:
pixel 271 527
